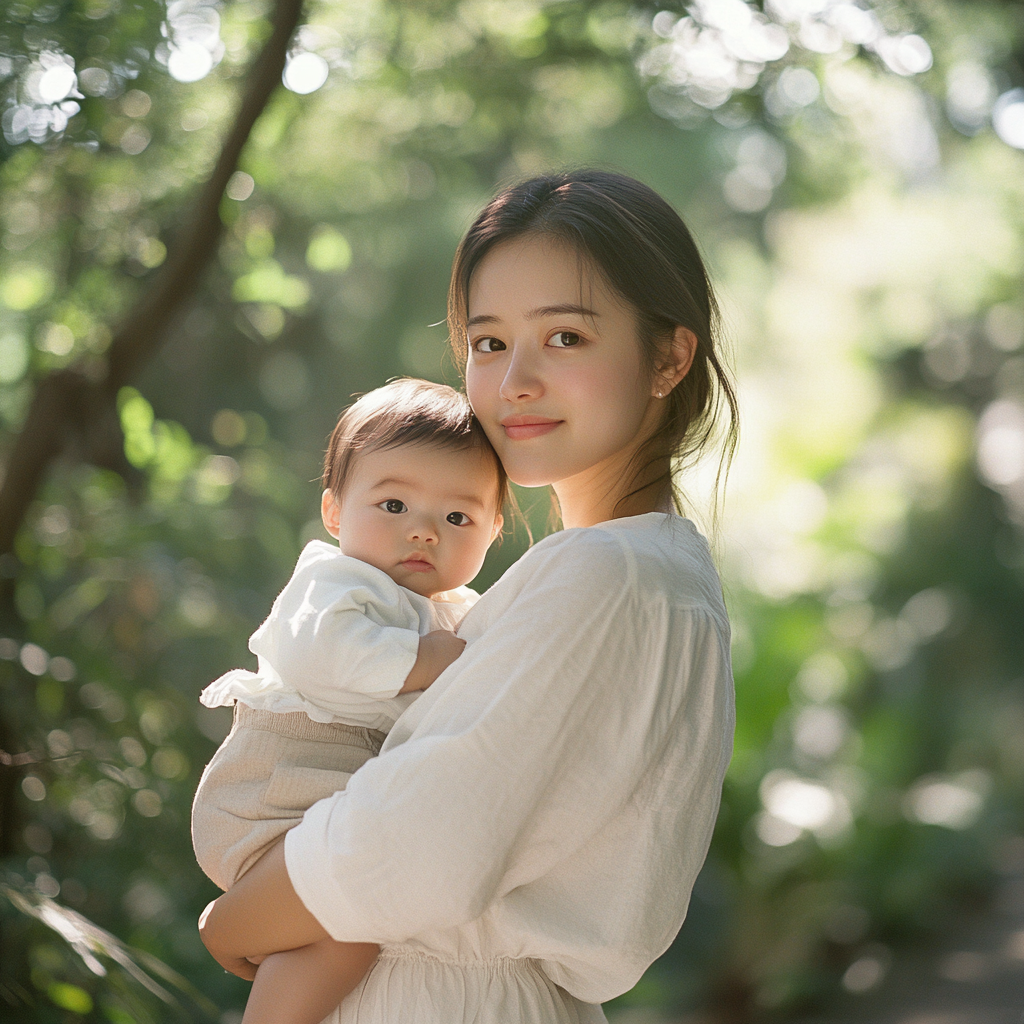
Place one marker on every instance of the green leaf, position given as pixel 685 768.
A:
pixel 70 997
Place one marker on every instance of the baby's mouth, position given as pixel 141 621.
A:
pixel 417 564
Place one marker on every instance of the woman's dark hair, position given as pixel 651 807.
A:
pixel 650 258
pixel 406 412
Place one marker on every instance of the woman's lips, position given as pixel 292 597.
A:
pixel 520 428
pixel 417 565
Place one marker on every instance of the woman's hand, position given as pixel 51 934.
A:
pixel 260 915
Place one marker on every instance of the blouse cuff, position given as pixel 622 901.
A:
pixel 307 859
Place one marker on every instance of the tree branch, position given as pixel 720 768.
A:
pixel 137 339
pixel 67 403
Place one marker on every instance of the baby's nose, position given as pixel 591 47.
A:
pixel 423 532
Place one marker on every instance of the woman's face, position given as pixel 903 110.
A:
pixel 555 373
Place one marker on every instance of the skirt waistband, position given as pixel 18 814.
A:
pixel 503 964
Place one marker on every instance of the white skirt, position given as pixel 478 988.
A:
pixel 409 987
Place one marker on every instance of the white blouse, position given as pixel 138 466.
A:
pixel 338 643
pixel 545 806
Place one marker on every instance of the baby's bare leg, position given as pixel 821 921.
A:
pixel 302 986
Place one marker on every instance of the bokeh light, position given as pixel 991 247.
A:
pixel 240 186
pixel 57 83
pixel 305 73
pixel 1008 118
pixel 189 61
pixel 194 47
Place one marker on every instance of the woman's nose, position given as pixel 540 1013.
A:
pixel 521 380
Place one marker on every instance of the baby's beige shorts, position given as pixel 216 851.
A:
pixel 266 773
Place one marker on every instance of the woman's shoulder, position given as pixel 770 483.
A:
pixel 651 556
pixel 656 536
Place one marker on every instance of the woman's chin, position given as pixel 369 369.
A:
pixel 527 477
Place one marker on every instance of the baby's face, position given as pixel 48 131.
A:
pixel 423 515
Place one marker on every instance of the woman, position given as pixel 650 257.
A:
pixel 525 845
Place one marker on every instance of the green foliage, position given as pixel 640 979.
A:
pixel 135 986
pixel 872 556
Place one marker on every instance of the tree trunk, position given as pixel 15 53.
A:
pixel 75 415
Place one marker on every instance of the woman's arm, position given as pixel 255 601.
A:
pixel 592 676
pixel 261 914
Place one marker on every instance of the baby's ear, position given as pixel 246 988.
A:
pixel 499 522
pixel 330 512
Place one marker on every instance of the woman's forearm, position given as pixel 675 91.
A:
pixel 261 914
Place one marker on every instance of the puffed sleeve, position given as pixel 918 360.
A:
pixel 339 630
pixel 555 717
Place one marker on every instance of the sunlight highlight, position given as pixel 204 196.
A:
pixel 305 73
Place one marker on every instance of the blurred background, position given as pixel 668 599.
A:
pixel 200 264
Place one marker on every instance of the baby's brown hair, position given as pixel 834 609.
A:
pixel 406 411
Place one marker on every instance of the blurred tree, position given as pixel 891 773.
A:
pixel 869 250
pixel 75 405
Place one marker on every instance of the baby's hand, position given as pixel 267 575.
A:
pixel 436 652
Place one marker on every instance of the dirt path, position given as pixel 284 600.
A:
pixel 975 976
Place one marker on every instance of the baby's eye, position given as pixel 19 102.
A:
pixel 488 345
pixel 458 519
pixel 393 505
pixel 564 339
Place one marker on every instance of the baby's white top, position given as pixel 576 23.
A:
pixel 552 795
pixel 338 643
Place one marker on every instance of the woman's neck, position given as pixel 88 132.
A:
pixel 600 494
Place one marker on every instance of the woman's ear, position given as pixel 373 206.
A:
pixel 330 512
pixel 677 362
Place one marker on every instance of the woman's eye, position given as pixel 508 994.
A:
pixel 394 505
pixel 458 519
pixel 564 339
pixel 488 345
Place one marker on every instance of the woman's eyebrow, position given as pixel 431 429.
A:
pixel 538 314
pixel 562 307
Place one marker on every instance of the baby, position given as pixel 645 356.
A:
pixel 413 495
